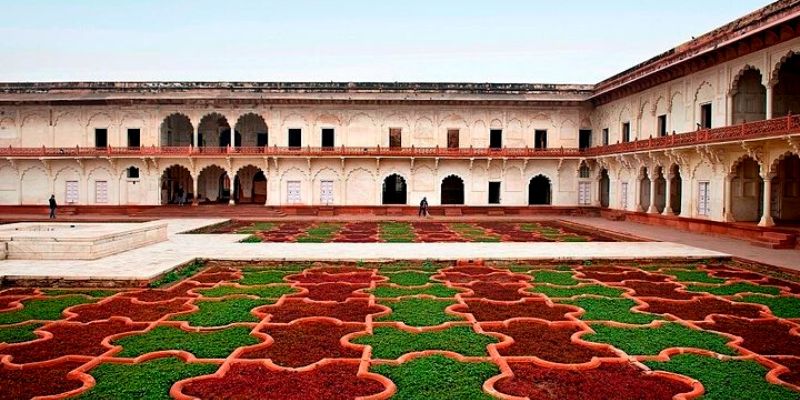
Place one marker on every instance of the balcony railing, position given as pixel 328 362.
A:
pixel 752 130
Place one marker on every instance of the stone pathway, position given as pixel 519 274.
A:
pixel 150 261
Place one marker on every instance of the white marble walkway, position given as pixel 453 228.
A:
pixel 150 261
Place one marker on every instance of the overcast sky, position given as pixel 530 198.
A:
pixel 578 41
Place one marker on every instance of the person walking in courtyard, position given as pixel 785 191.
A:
pixel 53 206
pixel 179 195
pixel 423 207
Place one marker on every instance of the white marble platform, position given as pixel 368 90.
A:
pixel 153 260
pixel 77 240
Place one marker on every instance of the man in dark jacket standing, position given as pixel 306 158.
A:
pixel 423 207
pixel 53 206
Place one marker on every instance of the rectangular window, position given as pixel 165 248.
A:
pixel 293 192
pixel 101 137
pixel 662 125
pixel 495 138
pixel 705 116
pixel 623 196
pixel 584 138
pixel 295 138
pixel 452 138
pixel 584 193
pixel 327 137
pixel 605 136
pixel 134 137
pixel 133 173
pixel 71 195
pixel 540 139
pixel 262 139
pixel 326 192
pixel 101 192
pixel 626 132
pixel 703 201
pixel 395 138
pixel 494 192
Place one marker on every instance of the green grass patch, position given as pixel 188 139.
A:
pixel 408 278
pixel 396 232
pixel 651 341
pixel 96 293
pixel 48 309
pixel 554 277
pixel 207 344
pixel 150 380
pixel 286 267
pixel 263 277
pixel 218 313
pixel 438 378
pixel 257 227
pixel 783 307
pixel 18 333
pixel 320 233
pixel 272 292
pixel 391 343
pixel 177 274
pixel 734 288
pixel 251 239
pixel 419 312
pixel 436 290
pixel 693 276
pixel 725 380
pixel 605 309
pixel 556 292
pixel 473 232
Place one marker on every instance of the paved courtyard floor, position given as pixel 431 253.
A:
pixel 150 261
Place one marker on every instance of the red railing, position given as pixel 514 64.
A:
pixel 752 130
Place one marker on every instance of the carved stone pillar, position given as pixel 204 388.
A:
pixel 195 196
pixel 766 217
pixel 667 194
pixel 769 102
pixel 727 216
pixel 652 209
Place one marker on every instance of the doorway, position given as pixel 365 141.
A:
pixel 494 192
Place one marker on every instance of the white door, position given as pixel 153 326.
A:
pixel 326 192
pixel 72 192
pixel 623 196
pixel 703 205
pixel 101 192
pixel 584 193
pixel 293 192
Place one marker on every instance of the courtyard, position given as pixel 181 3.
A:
pixel 653 329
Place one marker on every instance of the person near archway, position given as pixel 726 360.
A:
pixel 53 206
pixel 423 207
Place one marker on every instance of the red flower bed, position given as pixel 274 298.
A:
pixel 765 337
pixel 323 277
pixel 123 307
pixel 497 277
pixel 623 276
pixel 215 277
pixel 444 237
pixel 466 270
pixel 497 291
pixel 69 339
pixel 336 270
pixel 255 381
pixel 17 292
pixel 45 380
pixel 528 308
pixel 332 291
pixel 429 227
pixel 548 342
pixel 154 295
pixel 793 375
pixel 609 381
pixel 793 287
pixel 305 342
pixel 666 290
pixel 738 274
pixel 356 237
pixel 352 310
pixel 698 310
pixel 608 269
pixel 521 236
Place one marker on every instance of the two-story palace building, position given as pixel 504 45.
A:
pixel 704 130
